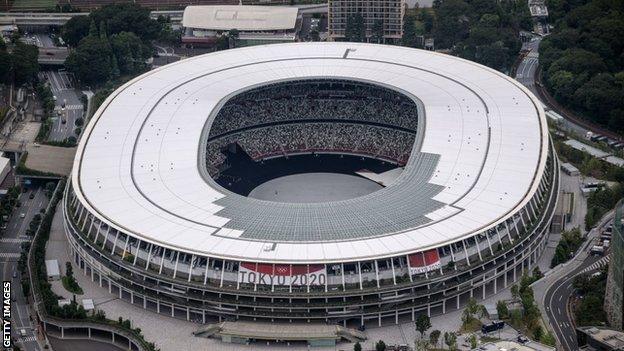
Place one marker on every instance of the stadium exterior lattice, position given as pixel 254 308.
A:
pixel 470 212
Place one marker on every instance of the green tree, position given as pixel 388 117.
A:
pixel 93 30
pixel 377 31
pixel 131 53
pixel 380 345
pixel 434 337
pixel 562 82
pixel 409 31
pixel 355 30
pixel 501 309
pixel 68 269
pixel 114 18
pixel 538 333
pixel 472 307
pixel 473 341
pixel 450 339
pixel 103 32
pixel 91 60
pixel 452 23
pixel 357 347
pixel 5 67
pixel 24 63
pixel 537 273
pixel 423 323
pixel 128 17
pixel 515 292
pixel 233 35
pixel 75 29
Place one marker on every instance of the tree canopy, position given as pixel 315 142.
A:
pixel 356 28
pixel 21 65
pixel 582 59
pixel 91 61
pixel 117 18
pixel 112 41
pixel 483 31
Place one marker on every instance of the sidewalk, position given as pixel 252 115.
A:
pixel 552 276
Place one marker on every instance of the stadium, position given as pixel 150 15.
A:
pixel 312 182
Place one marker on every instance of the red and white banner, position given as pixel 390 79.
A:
pixel 425 261
pixel 281 274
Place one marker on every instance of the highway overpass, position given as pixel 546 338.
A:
pixel 58 19
pixel 53 56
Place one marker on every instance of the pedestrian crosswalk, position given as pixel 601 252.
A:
pixel 68 107
pixel 13 240
pixel 28 338
pixel 597 265
pixel 8 256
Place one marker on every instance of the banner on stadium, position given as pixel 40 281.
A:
pixel 425 261
pixel 281 274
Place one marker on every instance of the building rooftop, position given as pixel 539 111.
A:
pixel 241 17
pixel 611 338
pixel 514 346
pixel 480 153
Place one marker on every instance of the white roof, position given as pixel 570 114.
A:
pixel 52 267
pixel 137 163
pixel 241 17
pixel 88 304
pixel 594 151
pixel 4 162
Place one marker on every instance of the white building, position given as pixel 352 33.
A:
pixel 255 24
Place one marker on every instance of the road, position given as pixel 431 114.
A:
pixel 525 74
pixel 559 292
pixel 10 248
pixel 527 68
pixel 64 123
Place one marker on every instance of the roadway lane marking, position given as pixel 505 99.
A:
pixel 13 241
pixel 68 107
pixel 596 265
pixel 9 255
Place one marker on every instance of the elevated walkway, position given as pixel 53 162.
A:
pixel 244 332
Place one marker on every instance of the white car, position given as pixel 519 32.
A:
pixel 22 215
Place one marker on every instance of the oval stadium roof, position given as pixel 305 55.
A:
pixel 480 152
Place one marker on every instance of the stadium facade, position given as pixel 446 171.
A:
pixel 467 216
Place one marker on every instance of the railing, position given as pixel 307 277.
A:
pixel 38 304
